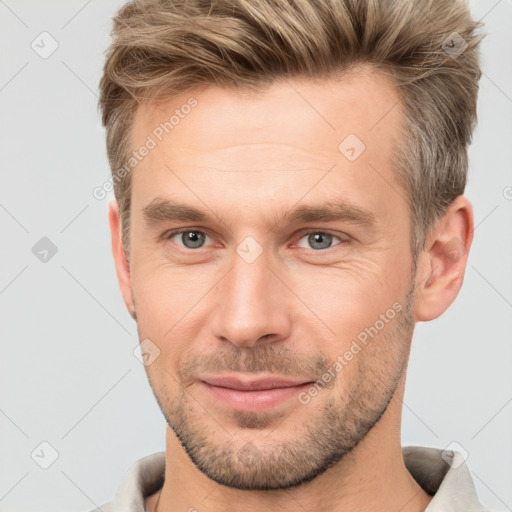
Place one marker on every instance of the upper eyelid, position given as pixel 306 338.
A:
pixel 173 232
pixel 307 231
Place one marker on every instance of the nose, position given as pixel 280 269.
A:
pixel 253 304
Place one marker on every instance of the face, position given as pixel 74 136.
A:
pixel 271 268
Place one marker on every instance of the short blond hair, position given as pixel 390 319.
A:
pixel 429 49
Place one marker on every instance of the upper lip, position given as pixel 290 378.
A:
pixel 253 384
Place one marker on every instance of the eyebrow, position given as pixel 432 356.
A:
pixel 331 211
pixel 165 210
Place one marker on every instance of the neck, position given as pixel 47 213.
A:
pixel 372 477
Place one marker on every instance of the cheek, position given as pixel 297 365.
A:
pixel 168 303
pixel 345 301
pixel 163 291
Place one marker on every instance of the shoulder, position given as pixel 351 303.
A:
pixel 143 478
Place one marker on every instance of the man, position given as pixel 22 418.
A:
pixel 289 181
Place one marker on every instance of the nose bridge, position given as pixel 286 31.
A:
pixel 251 305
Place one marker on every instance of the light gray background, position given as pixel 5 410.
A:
pixel 68 373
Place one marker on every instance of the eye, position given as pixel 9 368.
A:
pixel 318 240
pixel 190 239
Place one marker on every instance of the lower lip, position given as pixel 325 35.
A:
pixel 253 401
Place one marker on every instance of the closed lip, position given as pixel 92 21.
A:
pixel 251 384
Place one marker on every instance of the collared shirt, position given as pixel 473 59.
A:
pixel 443 474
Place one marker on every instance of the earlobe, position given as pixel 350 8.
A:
pixel 442 263
pixel 120 260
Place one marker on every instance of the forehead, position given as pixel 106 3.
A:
pixel 288 134
pixel 361 101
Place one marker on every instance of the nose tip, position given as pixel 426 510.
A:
pixel 252 306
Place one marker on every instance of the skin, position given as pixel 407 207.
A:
pixel 246 159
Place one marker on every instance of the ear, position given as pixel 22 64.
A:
pixel 442 263
pixel 120 260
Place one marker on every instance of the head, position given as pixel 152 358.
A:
pixel 288 181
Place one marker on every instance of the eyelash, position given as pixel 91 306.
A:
pixel 171 234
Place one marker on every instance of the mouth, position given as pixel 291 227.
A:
pixel 253 395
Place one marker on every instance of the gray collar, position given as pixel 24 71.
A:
pixel 442 474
